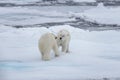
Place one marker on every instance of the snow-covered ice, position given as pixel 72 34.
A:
pixel 38 15
pixel 32 1
pixel 93 55
pixel 18 1
pixel 84 0
pixel 30 16
pixel 102 14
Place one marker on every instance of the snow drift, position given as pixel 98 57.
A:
pixel 93 55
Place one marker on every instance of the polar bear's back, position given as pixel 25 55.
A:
pixel 46 42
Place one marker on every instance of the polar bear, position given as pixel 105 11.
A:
pixel 63 40
pixel 47 42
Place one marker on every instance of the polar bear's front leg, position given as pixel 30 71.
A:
pixel 56 51
pixel 67 49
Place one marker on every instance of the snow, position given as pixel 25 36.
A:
pixel 93 55
pixel 102 14
pixel 84 0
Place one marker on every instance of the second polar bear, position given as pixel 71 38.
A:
pixel 63 40
pixel 47 43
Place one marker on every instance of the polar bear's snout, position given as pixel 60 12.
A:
pixel 61 37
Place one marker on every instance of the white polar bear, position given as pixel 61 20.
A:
pixel 47 42
pixel 63 40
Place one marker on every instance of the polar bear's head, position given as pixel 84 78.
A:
pixel 62 36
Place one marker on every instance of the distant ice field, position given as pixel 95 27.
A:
pixel 38 15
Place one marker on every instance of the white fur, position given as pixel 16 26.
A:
pixel 47 43
pixel 63 40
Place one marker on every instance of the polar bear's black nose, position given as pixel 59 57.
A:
pixel 60 38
